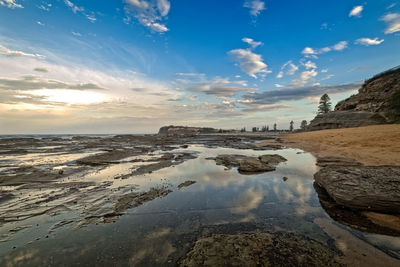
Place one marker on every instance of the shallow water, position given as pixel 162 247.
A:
pixel 160 232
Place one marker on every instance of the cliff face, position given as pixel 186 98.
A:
pixel 378 94
pixel 377 102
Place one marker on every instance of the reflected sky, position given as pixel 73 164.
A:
pixel 161 231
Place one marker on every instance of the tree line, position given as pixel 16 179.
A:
pixel 324 106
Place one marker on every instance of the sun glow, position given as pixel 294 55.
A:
pixel 71 96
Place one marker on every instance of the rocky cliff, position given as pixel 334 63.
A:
pixel 377 102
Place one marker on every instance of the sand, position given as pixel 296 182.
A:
pixel 376 145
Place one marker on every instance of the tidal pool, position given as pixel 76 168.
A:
pixel 162 231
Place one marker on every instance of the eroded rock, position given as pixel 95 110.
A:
pixel 362 187
pixel 186 184
pixel 260 248
pixel 336 161
pixel 253 166
pixel 274 159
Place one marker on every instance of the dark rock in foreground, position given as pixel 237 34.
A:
pixel 362 187
pixel 259 249
pixel 350 217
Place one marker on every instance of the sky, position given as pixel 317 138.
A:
pixel 132 66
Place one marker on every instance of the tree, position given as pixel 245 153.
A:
pixel 254 129
pixel 264 129
pixel 325 104
pixel 243 130
pixel 291 126
pixel 267 130
pixel 274 127
pixel 303 125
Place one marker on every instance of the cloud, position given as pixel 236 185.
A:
pixel 288 68
pixel 310 65
pixel 356 11
pixel 305 77
pixel 149 13
pixel 15 53
pixel 45 7
pixel 251 42
pixel 182 74
pixel 369 41
pixel 298 93
pixel 393 22
pixel 163 6
pixel 31 82
pixel 255 6
pixel 340 46
pixel 10 4
pixel 76 9
pixel 250 62
pixel 76 34
pixel 312 52
pixel 220 87
pixel 44 70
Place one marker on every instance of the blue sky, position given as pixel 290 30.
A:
pixel 132 66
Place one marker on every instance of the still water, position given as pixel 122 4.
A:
pixel 162 231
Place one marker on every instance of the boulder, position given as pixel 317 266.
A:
pixel 362 187
pixel 230 161
pixel 254 165
pixel 274 159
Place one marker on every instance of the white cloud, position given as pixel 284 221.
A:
pixel 149 13
pixel 312 52
pixel 340 46
pixel 356 11
pixel 369 41
pixel 324 70
pixel 393 22
pixel 305 77
pixel 288 68
pixel 164 7
pixel 255 6
pixel 10 4
pixel 76 34
pixel 310 65
pixel 251 42
pixel 277 85
pixel 40 23
pixel 76 9
pixel 308 51
pixel 15 53
pixel 250 63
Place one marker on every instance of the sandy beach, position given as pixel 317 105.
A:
pixel 376 145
